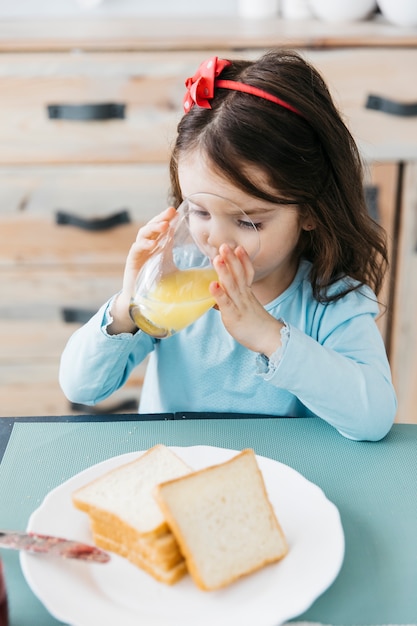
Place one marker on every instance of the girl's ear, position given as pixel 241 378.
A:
pixel 308 224
pixel 307 219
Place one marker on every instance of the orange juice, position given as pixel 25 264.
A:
pixel 176 301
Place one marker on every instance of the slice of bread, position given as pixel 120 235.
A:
pixel 162 548
pixel 123 497
pixel 125 518
pixel 159 571
pixel 223 521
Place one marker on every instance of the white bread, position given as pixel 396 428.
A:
pixel 125 518
pixel 159 571
pixel 223 521
pixel 162 548
pixel 123 497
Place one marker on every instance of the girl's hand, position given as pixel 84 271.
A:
pixel 139 253
pixel 243 315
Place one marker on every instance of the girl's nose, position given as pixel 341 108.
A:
pixel 218 233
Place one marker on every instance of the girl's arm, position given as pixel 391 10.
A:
pixel 338 369
pixel 341 375
pixel 99 357
pixel 139 253
pixel 94 363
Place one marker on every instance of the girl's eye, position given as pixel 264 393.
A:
pixel 250 225
pixel 201 213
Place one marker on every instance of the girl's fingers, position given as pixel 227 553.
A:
pixel 233 267
pixel 167 214
pixel 247 265
pixel 142 248
pixel 146 239
pixel 156 226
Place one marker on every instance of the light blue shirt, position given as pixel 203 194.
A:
pixel 334 365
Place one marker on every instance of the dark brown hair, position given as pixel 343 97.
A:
pixel 310 160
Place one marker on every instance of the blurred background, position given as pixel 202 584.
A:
pixel 90 95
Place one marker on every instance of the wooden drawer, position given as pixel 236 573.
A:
pixel 29 363
pixel 353 75
pixel 27 239
pixel 149 85
pixel 45 293
pixel 48 269
pixel 52 262
pixel 87 190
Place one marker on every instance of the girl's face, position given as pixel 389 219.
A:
pixel 278 226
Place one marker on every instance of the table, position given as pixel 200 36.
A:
pixel 374 486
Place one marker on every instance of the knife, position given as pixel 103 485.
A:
pixel 57 546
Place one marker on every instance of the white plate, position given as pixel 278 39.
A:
pixel 119 593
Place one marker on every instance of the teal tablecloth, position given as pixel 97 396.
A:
pixel 374 485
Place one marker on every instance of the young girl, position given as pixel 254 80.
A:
pixel 293 331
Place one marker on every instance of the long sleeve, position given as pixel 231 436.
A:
pixel 346 380
pixel 95 364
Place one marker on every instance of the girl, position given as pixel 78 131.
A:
pixel 293 331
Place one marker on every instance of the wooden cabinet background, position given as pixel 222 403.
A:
pixel 95 169
pixel 404 327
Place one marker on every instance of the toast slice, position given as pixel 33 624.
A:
pixel 162 548
pixel 160 571
pixel 123 497
pixel 125 518
pixel 223 521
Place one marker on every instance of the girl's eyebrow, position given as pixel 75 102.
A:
pixel 252 213
pixel 259 212
pixel 262 211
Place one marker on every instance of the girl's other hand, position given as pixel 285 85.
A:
pixel 139 252
pixel 243 315
pixel 143 246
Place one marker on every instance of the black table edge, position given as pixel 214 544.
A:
pixel 7 423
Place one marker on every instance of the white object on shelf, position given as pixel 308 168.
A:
pixel 400 12
pixel 258 8
pixel 343 10
pixel 88 4
pixel 295 9
pixel 23 9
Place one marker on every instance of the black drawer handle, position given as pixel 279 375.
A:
pixel 70 314
pixel 98 223
pixel 391 107
pixel 86 112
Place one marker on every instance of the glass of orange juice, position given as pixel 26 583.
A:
pixel 172 288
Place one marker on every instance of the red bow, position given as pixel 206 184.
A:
pixel 200 87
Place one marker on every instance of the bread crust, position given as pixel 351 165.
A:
pixel 182 538
pixel 164 574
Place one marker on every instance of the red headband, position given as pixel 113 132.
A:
pixel 200 87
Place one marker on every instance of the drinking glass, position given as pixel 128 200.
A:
pixel 172 288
